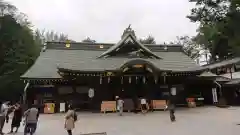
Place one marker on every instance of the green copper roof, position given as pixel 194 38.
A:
pixel 83 57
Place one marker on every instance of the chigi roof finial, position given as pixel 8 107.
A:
pixel 128 30
pixel 129 27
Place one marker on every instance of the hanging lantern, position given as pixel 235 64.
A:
pixel 156 80
pixel 164 79
pixel 130 79
pixel 136 79
pixel 144 80
pixel 173 91
pixel 100 80
pixel 91 93
pixel 108 79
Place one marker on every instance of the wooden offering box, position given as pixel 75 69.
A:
pixel 108 106
pixel 159 104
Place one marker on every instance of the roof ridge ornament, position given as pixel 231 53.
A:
pixel 68 44
pixel 128 39
pixel 127 31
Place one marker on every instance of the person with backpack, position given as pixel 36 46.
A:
pixel 70 119
pixel 31 119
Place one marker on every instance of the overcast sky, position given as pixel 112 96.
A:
pixel 105 20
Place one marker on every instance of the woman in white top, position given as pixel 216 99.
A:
pixel 3 113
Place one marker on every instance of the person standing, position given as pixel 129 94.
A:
pixel 116 99
pixel 171 104
pixel 171 108
pixel 70 119
pixel 3 113
pixel 120 103
pixel 17 117
pixel 144 105
pixel 2 119
pixel 31 119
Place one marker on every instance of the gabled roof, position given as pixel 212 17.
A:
pixel 233 82
pixel 224 63
pixel 88 57
pixel 129 37
pixel 234 75
pixel 83 57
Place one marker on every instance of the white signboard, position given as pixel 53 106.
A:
pixel 173 91
pixel 91 93
pixel 214 93
pixel 62 107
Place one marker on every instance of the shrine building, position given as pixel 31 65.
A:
pixel 89 74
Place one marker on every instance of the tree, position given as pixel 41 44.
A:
pixel 219 29
pixel 190 47
pixel 42 36
pixel 6 8
pixel 88 40
pixel 18 51
pixel 148 40
pixel 54 36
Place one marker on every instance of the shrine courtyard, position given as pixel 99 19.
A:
pixel 197 121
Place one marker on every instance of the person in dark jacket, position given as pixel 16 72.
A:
pixel 17 117
pixel 171 108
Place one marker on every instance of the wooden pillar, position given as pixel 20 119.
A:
pixel 25 93
pixel 231 72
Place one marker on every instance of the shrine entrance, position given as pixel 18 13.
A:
pixel 138 78
pixel 138 81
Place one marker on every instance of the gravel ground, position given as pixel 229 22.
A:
pixel 197 121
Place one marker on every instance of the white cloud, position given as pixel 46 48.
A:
pixel 105 20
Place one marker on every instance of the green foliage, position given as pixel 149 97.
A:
pixel 219 29
pixel 148 40
pixel 18 51
pixel 42 36
pixel 7 9
pixel 190 47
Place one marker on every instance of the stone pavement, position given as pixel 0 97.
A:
pixel 197 121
